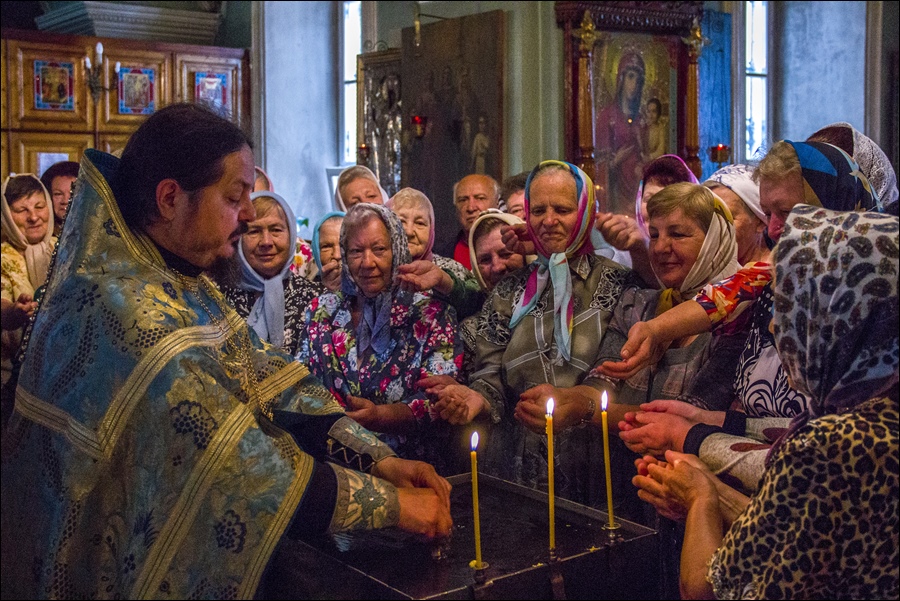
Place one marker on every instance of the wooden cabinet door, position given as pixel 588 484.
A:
pixel 216 80
pixel 47 87
pixel 33 152
pixel 114 143
pixel 142 87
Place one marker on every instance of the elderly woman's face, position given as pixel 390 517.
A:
pixel 369 256
pixel 268 243
pixel 31 214
pixel 417 225
pixel 675 243
pixel 361 189
pixel 778 198
pixel 747 226
pixel 493 259
pixel 553 209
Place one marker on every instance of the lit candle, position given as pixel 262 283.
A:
pixel 477 565
pixel 100 52
pixel 118 66
pixel 609 497
pixel 87 62
pixel 550 478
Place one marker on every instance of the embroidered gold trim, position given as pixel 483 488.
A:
pixel 192 497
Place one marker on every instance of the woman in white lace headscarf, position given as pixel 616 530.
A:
pixel 872 161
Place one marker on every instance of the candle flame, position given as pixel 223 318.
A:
pixel 604 400
pixel 474 440
pixel 550 406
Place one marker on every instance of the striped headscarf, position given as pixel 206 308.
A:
pixel 832 179
pixel 554 268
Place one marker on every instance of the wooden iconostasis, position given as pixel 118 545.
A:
pixel 52 109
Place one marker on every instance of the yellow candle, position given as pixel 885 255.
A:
pixel 609 496
pixel 477 565
pixel 550 478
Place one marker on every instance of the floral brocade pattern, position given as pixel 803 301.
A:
pixel 424 342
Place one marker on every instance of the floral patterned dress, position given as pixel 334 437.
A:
pixel 424 342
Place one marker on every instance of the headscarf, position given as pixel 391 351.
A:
pixel 374 327
pixel 267 314
pixel 37 256
pixel 739 179
pixel 671 165
pixel 716 261
pixel 269 185
pixel 836 307
pixel 339 202
pixel 875 166
pixel 555 268
pixel 408 195
pixel 316 251
pixel 832 179
pixel 487 214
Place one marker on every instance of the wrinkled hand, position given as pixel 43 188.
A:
pixel 422 512
pixel 433 385
pixel 16 314
pixel 531 410
pixel 621 231
pixel 420 276
pixel 644 347
pixel 654 433
pixel 673 486
pixel 363 411
pixel 405 473
pixel 458 404
pixel 331 275
pixel 516 239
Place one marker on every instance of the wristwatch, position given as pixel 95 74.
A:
pixel 589 415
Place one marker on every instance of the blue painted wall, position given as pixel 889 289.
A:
pixel 715 86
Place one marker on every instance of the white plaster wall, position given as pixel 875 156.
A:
pixel 300 102
pixel 819 66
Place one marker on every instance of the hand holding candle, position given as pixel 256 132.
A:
pixel 604 401
pixel 477 563
pixel 550 478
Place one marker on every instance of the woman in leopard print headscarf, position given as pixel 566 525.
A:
pixel 824 523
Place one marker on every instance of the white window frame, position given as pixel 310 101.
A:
pixel 739 80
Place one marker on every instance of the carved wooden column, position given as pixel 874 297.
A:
pixel 695 43
pixel 586 36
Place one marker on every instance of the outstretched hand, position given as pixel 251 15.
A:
pixel 459 405
pixel 420 276
pixel 621 231
pixel 424 496
pixel 644 347
pixel 516 239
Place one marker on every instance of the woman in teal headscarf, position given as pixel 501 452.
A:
pixel 326 249
pixel 539 335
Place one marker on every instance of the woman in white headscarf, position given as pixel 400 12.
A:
pixel 735 186
pixel 27 246
pixel 270 295
pixel 358 184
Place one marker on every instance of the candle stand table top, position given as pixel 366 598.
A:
pixel 592 562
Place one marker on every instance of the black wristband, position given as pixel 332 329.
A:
pixel 735 423
pixel 696 435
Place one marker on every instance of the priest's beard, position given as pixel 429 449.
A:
pixel 226 272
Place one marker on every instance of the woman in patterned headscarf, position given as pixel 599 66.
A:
pixel 372 341
pixel 27 243
pixel 538 335
pixel 358 184
pixel 792 173
pixel 823 524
